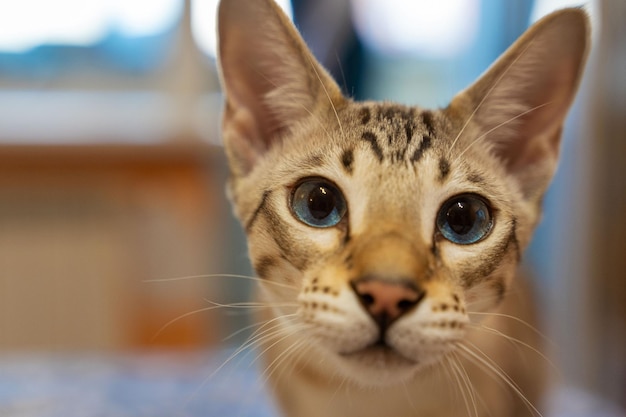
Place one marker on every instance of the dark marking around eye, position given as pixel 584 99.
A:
pixel 490 259
pixel 425 144
pixel 299 259
pixel 444 169
pixel 513 239
pixel 349 261
pixel 347 160
pixel 264 265
pixel 260 207
pixel 500 289
pixel 427 120
pixel 373 141
pixel 434 249
pixel 365 115
pixel 347 237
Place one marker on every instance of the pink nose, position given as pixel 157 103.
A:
pixel 387 300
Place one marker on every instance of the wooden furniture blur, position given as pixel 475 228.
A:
pixel 82 228
pixel 605 364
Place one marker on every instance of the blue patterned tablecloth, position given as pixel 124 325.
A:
pixel 130 385
pixel 166 385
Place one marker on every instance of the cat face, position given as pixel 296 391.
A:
pixel 387 238
pixel 379 228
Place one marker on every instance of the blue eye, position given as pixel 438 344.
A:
pixel 464 219
pixel 318 203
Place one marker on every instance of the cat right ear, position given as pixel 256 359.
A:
pixel 521 102
pixel 270 79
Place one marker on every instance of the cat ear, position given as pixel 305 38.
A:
pixel 271 81
pixel 520 103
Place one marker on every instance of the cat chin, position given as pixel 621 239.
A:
pixel 378 366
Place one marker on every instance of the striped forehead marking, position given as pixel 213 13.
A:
pixel 390 132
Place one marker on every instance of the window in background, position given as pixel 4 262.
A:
pixel 424 28
pixel 423 52
pixel 40 38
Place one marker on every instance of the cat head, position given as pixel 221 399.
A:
pixel 376 227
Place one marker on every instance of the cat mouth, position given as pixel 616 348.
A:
pixel 380 355
pixel 378 365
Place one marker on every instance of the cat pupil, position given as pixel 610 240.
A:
pixel 461 218
pixel 321 202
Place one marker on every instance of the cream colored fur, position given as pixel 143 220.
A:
pixel 468 346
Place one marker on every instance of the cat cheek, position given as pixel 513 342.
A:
pixel 491 291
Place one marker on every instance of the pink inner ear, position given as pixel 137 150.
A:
pixel 251 36
pixel 520 104
pixel 271 81
pixel 518 107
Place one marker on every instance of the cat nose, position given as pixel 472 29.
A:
pixel 386 300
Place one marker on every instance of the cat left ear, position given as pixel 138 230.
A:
pixel 271 81
pixel 520 103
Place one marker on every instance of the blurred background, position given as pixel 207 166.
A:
pixel 113 217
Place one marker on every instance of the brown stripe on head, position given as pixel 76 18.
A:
pixel 425 144
pixel 444 169
pixel 365 115
pixel 347 160
pixel 372 139
pixel 264 264
pixel 409 128
pixel 427 120
pixel 476 179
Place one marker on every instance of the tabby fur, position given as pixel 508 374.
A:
pixel 467 347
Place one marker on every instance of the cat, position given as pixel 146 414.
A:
pixel 387 238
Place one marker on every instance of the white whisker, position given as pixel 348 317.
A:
pixel 495 372
pixel 251 305
pixel 464 384
pixel 285 353
pixel 517 342
pixel 288 332
pixel 281 359
pixel 182 316
pixel 479 138
pixel 407 394
pixel 516 319
pixel 330 101
pixel 293 101
pixel 247 344
pixel 256 338
pixel 246 277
